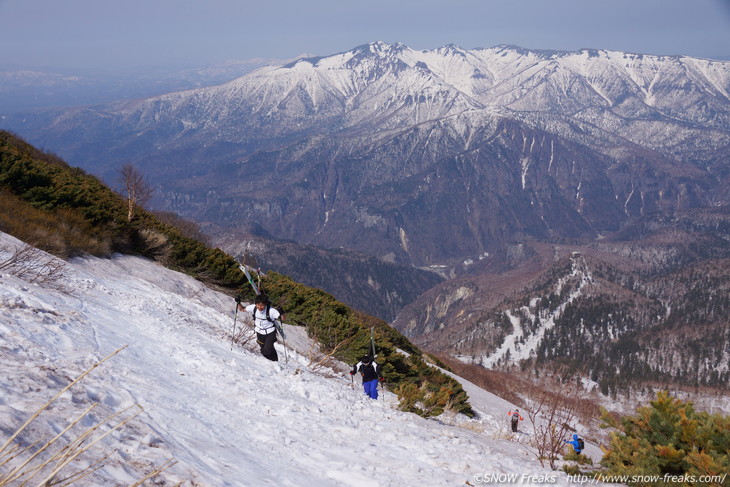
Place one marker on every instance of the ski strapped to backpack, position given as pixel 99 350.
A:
pixel 372 342
pixel 250 279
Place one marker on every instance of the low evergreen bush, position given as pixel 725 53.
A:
pixel 670 439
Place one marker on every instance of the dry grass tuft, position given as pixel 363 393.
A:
pixel 47 462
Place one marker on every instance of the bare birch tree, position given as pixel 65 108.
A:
pixel 137 190
pixel 553 413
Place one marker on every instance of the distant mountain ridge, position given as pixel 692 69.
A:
pixel 22 90
pixel 484 146
pixel 648 306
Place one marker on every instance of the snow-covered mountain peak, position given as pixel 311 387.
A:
pixel 379 81
pixel 450 49
pixel 383 48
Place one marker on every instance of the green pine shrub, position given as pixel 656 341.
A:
pixel 572 456
pixel 63 233
pixel 669 438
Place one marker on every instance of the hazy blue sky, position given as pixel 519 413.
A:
pixel 130 33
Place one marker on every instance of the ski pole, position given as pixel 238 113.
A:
pixel 235 315
pixel 280 329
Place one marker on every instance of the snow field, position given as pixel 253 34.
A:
pixel 228 417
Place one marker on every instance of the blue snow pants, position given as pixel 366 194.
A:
pixel 371 388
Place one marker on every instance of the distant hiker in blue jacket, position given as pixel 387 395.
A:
pixel 370 375
pixel 577 443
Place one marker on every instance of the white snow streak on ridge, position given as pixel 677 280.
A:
pixel 231 418
pixel 511 349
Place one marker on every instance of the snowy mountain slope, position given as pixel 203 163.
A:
pixel 522 343
pixel 380 88
pixel 229 417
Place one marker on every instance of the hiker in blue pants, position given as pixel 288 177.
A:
pixel 370 375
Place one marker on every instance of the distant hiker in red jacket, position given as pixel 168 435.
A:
pixel 516 418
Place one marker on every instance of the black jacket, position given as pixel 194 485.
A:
pixel 369 372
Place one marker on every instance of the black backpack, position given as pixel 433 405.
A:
pixel 581 445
